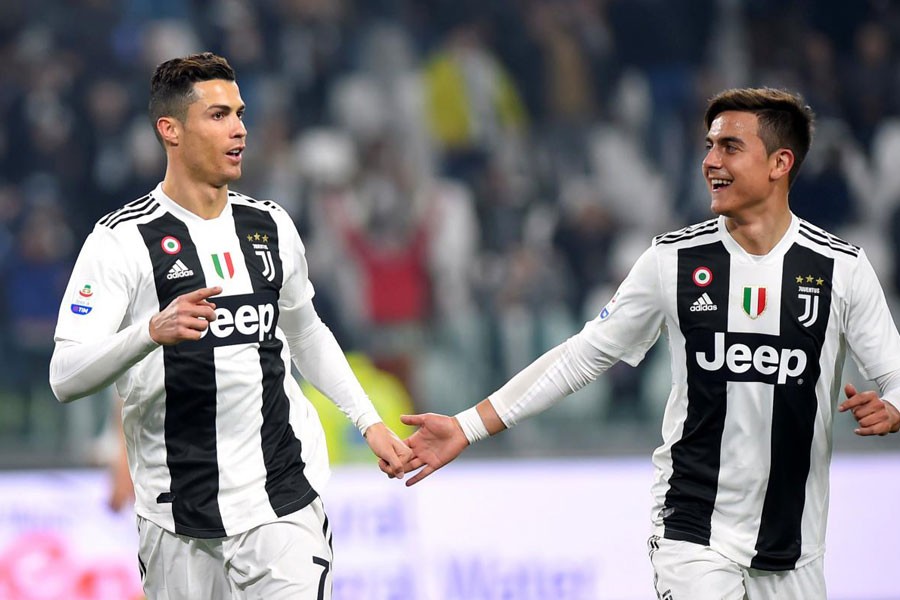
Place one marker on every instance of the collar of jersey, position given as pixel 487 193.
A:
pixel 776 253
pixel 183 213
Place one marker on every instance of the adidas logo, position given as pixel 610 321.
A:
pixel 703 304
pixel 179 270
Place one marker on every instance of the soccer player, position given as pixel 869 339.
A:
pixel 193 300
pixel 759 308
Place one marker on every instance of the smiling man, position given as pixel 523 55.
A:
pixel 759 308
pixel 193 300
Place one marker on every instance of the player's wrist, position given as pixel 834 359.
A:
pixel 366 420
pixel 894 414
pixel 472 425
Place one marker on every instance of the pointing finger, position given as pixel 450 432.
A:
pixel 202 294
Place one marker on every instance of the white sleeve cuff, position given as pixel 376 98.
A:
pixel 472 425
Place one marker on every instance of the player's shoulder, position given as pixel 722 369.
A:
pixel 698 233
pixel 138 211
pixel 240 199
pixel 826 243
pixel 248 210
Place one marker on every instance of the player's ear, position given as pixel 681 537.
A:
pixel 169 130
pixel 781 161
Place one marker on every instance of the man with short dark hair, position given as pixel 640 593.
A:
pixel 193 300
pixel 759 308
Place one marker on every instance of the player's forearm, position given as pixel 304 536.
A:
pixel 78 369
pixel 323 364
pixel 561 371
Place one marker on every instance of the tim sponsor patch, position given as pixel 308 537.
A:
pixel 605 312
pixel 82 299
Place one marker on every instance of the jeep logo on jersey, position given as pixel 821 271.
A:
pixel 763 363
pixel 243 319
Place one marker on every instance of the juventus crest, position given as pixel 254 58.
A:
pixel 808 291
pixel 261 249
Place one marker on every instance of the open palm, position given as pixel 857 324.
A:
pixel 437 441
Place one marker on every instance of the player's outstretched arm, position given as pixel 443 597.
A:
pixel 439 438
pixel 875 415
pixel 394 455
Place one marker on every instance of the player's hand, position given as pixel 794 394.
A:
pixel 874 415
pixel 438 441
pixel 185 318
pixel 393 454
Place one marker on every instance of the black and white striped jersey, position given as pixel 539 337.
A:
pixel 757 346
pixel 220 438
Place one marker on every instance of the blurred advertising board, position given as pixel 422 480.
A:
pixel 504 530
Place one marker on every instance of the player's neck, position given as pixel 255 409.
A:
pixel 204 200
pixel 758 234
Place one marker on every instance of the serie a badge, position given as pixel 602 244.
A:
pixel 82 299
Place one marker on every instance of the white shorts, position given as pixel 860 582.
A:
pixel 286 559
pixel 688 571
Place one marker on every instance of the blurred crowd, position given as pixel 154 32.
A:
pixel 471 179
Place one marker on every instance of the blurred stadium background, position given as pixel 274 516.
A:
pixel 471 179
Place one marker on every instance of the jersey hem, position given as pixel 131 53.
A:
pixel 160 520
pixel 683 536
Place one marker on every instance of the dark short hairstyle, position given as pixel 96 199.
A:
pixel 172 84
pixel 785 121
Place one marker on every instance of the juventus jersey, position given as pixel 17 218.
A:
pixel 220 438
pixel 757 346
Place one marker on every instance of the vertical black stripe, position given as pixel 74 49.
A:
pixel 326 531
pixel 794 410
pixel 190 383
pixel 696 456
pixel 286 483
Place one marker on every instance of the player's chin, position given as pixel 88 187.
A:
pixel 227 176
pixel 718 207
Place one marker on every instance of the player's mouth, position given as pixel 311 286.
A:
pixel 717 183
pixel 235 154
